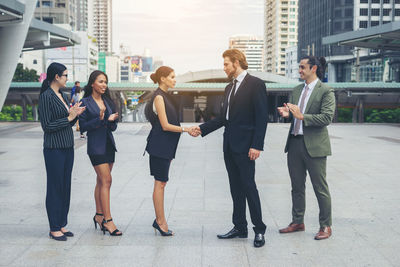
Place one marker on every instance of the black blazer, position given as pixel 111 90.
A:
pixel 160 143
pixel 54 120
pixel 247 122
pixel 97 130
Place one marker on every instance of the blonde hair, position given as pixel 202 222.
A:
pixel 236 54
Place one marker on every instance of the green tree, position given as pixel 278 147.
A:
pixel 25 75
pixel 345 114
pixel 383 115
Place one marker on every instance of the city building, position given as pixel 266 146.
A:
pixel 58 12
pixel 291 63
pixel 100 24
pixel 346 63
pixel 136 68
pixel 80 60
pixel 252 47
pixel 110 64
pixel 280 32
pixel 82 21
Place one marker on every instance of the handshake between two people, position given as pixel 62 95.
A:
pixel 194 131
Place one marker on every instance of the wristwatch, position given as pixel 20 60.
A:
pixel 183 129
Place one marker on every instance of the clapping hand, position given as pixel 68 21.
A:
pixel 113 117
pixel 75 111
pixel 284 111
pixel 295 110
pixel 194 131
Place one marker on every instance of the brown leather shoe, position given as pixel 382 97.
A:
pixel 324 233
pixel 293 227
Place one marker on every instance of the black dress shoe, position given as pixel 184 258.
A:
pixel 58 238
pixel 233 233
pixel 69 234
pixel 259 240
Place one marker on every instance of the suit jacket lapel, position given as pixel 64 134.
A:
pixel 240 86
pixel 296 94
pixel 94 104
pixel 238 91
pixel 312 96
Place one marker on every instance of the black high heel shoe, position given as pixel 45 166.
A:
pixel 96 222
pixel 104 228
pixel 157 227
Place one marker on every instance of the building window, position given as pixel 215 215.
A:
pixel 363 11
pixel 35 62
pixel 293 23
pixel 47 4
pixel 292 9
pixel 363 24
pixel 386 12
pixel 338 25
pixel 397 12
pixel 386 1
pixel 375 12
pixel 338 13
pixel 48 20
pixel 349 2
pixel 397 1
pixel 376 1
pixel 292 30
pixel 348 12
pixel 374 23
pixel 363 1
pixel 386 21
pixel 348 25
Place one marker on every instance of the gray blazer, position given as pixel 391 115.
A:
pixel 318 115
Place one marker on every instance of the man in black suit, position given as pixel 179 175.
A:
pixel 244 115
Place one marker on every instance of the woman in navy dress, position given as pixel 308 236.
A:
pixel 162 112
pixel 99 121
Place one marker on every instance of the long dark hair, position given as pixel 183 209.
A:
pixel 53 69
pixel 89 87
pixel 320 63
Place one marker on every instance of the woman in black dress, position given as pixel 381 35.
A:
pixel 162 112
pixel 99 121
pixel 57 120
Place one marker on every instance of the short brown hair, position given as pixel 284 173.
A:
pixel 236 54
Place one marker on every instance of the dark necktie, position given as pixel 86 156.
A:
pixel 232 96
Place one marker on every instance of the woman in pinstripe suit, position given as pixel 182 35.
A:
pixel 57 120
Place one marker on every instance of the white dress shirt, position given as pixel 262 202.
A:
pixel 239 79
pixel 311 87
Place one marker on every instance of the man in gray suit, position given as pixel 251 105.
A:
pixel 308 143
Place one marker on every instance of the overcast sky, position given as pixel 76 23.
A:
pixel 188 35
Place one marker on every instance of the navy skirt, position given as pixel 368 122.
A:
pixel 159 168
pixel 109 157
